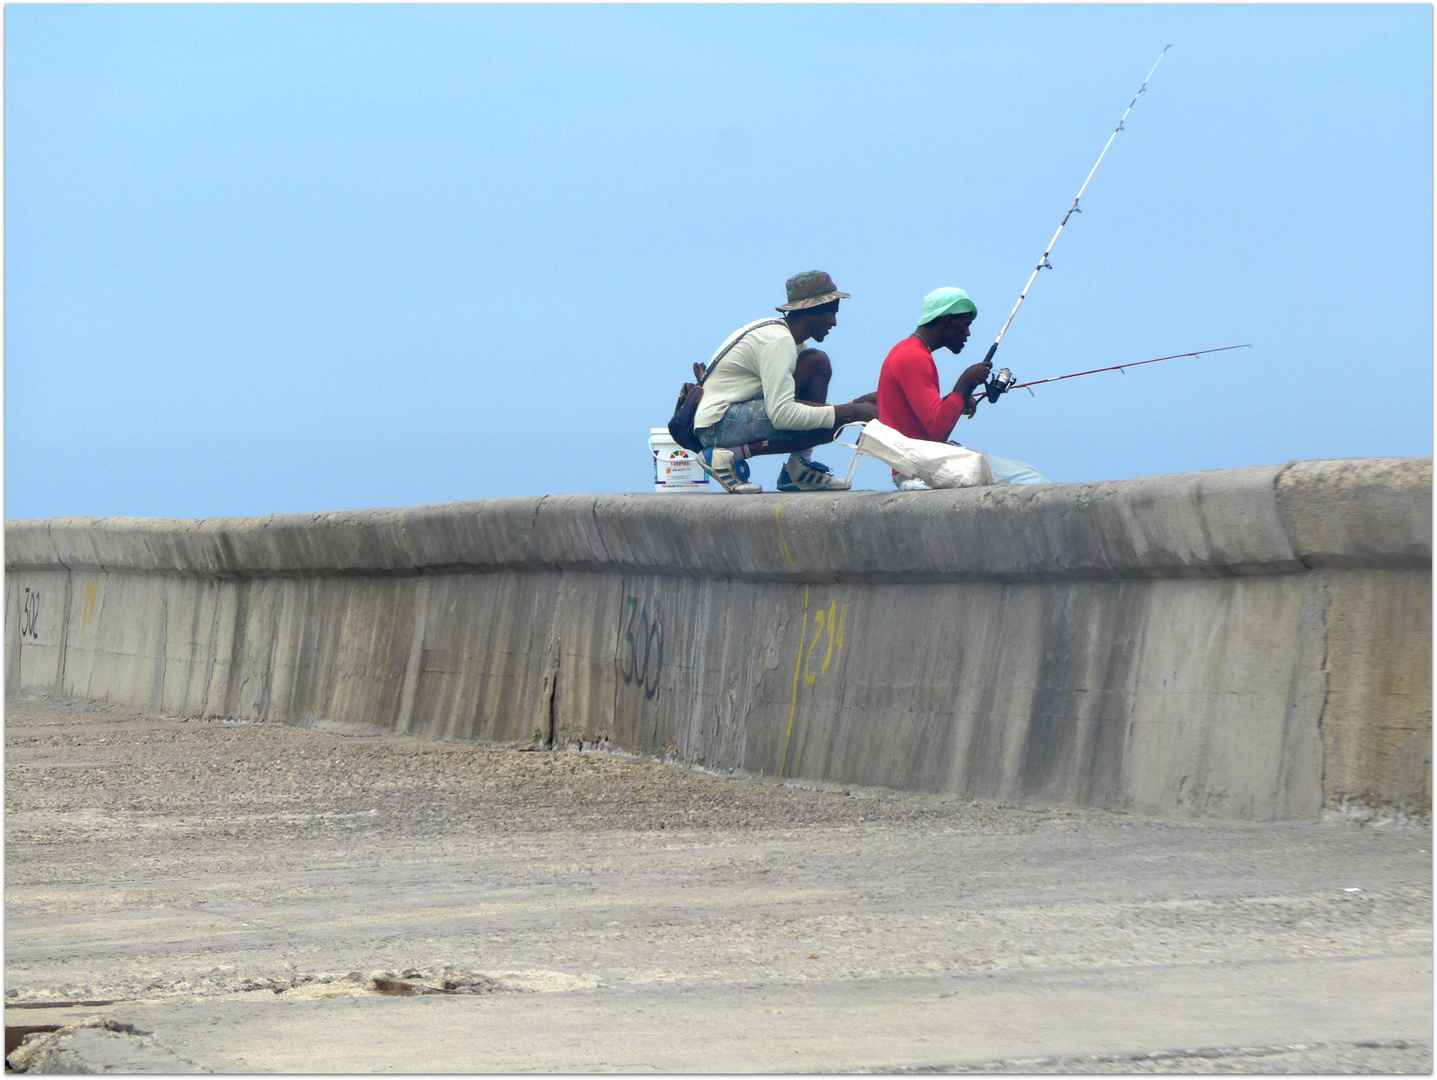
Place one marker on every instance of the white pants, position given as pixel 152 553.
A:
pixel 1013 472
pixel 1004 472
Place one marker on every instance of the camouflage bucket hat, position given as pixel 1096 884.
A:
pixel 809 289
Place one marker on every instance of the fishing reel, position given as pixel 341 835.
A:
pixel 999 383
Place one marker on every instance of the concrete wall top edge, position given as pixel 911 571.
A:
pixel 1371 513
pixel 1368 512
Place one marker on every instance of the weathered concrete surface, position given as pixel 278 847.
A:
pixel 1253 643
pixel 217 883
pixel 1366 513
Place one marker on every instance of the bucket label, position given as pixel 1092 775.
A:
pixel 677 470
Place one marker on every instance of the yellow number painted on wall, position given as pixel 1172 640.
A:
pixel 828 626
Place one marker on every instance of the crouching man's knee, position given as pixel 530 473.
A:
pixel 811 375
pixel 812 362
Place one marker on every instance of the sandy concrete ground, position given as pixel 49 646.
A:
pixel 231 893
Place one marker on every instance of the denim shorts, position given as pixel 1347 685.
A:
pixel 743 422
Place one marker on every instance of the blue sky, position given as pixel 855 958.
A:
pixel 291 258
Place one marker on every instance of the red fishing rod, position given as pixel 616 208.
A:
pixel 997 386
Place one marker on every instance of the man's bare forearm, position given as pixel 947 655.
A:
pixel 860 410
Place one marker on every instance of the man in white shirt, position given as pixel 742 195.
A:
pixel 765 396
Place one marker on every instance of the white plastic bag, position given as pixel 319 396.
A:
pixel 939 465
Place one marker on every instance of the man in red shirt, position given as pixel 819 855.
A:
pixel 908 397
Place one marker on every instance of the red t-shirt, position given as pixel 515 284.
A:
pixel 908 397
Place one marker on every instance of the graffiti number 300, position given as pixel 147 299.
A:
pixel 29 615
pixel 641 652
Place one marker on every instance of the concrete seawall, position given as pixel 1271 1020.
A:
pixel 1250 643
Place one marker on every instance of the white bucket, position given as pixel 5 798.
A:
pixel 675 469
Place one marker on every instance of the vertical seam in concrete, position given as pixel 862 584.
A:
pixel 267 693
pixel 608 558
pixel 554 655
pixel 1287 530
pixel 64 632
pixel 552 739
pixel 410 686
pixel 1326 692
pixel 618 631
pixel 548 728
pixel 1305 708
pixel 94 642
pixel 534 526
pixel 231 705
pixel 164 649
pixel 213 637
pixel 200 588
pixel 70 539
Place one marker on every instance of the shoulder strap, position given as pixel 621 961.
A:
pixel 731 344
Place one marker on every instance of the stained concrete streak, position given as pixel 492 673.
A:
pixel 234 889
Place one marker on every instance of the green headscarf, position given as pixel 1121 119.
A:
pixel 942 302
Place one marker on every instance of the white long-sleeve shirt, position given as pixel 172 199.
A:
pixel 761 364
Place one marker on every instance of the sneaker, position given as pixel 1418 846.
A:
pixel 800 475
pixel 731 474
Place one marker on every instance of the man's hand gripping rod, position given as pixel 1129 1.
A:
pixel 998 384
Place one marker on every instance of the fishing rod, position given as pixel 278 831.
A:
pixel 993 391
pixel 1043 263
